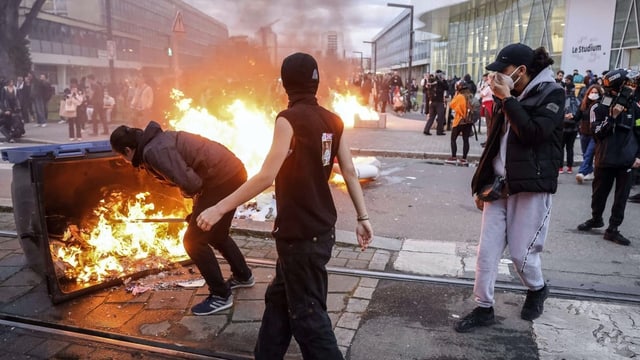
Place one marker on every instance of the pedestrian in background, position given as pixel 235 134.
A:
pixel 71 100
pixel 486 111
pixel 587 143
pixel 617 135
pixel 462 122
pixel 304 229
pixel 207 172
pixel 570 126
pixel 437 91
pixel 142 101
pixel 96 101
pixel 520 164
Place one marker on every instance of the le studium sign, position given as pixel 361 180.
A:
pixel 587 35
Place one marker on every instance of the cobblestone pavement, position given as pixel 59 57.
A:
pixel 162 313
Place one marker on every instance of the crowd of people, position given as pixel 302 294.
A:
pixel 87 100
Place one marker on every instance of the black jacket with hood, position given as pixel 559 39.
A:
pixel 183 159
pixel 534 152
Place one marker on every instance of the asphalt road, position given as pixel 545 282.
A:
pixel 420 200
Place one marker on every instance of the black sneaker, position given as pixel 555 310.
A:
pixel 616 237
pixel 590 224
pixel 480 316
pixel 534 304
pixel 212 304
pixel 235 283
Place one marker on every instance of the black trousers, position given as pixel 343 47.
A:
pixel 602 183
pixel 296 302
pixel 198 243
pixel 436 108
pixel 99 115
pixel 464 130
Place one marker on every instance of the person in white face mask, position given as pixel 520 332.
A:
pixel 521 157
pixel 587 143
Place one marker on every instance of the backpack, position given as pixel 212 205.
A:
pixel 473 112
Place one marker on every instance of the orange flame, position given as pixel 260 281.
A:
pixel 248 133
pixel 115 246
pixel 348 106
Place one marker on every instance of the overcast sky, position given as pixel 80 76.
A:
pixel 301 20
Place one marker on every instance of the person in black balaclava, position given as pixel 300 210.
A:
pixel 306 141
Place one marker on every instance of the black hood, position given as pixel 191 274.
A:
pixel 299 74
pixel 152 130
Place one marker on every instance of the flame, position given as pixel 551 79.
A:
pixel 115 245
pixel 348 106
pixel 248 133
pixel 118 245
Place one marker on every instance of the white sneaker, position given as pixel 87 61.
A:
pixel 43 125
pixel 62 122
pixel 579 178
pixel 588 177
pixel 72 139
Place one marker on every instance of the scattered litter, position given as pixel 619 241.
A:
pixel 411 177
pixel 192 283
pixel 139 289
pixel 455 316
pixel 262 208
pixel 506 261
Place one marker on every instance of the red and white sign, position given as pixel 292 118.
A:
pixel 178 23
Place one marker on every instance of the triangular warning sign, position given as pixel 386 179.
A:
pixel 178 23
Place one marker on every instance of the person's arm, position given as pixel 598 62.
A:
pixel 280 146
pixel 364 231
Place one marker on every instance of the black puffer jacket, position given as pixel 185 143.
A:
pixel 186 160
pixel 534 151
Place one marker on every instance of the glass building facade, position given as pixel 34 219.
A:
pixel 469 34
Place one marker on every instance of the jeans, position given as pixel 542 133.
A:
pixel 38 104
pixel 296 302
pixel 436 109
pixel 197 242
pixel 588 146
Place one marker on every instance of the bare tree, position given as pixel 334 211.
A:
pixel 14 52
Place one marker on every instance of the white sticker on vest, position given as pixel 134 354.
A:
pixel 553 107
pixel 327 140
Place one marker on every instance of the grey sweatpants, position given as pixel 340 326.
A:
pixel 521 222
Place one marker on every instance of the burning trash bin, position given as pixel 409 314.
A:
pixel 82 217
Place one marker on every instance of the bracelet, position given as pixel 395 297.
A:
pixel 363 218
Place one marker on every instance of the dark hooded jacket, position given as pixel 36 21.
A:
pixel 533 145
pixel 183 159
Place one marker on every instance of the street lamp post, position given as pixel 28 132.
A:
pixel 410 7
pixel 374 55
pixel 111 44
pixel 361 65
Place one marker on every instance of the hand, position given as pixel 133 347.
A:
pixel 616 110
pixel 364 232
pixel 479 203
pixel 501 85
pixel 568 116
pixel 636 164
pixel 208 218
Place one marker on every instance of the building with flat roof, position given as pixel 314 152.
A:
pixel 463 36
pixel 72 38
